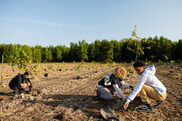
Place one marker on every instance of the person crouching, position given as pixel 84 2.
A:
pixel 111 83
pixel 20 82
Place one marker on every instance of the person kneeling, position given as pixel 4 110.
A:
pixel 111 83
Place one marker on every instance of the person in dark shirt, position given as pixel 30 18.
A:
pixel 111 83
pixel 20 82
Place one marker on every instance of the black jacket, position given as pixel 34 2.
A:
pixel 17 80
pixel 111 79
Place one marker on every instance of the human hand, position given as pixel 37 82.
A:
pixel 23 86
pixel 126 105
pixel 29 92
pixel 28 84
pixel 138 95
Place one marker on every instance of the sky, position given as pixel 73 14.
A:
pixel 60 22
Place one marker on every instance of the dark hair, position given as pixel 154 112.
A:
pixel 138 63
pixel 27 73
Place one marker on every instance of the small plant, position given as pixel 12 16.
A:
pixel 50 67
pixel 132 62
pixel 106 64
pixel 172 61
pixel 34 68
pixel 139 50
pixel 166 57
pixel 147 62
pixel 130 68
pixel 160 61
pixel 78 68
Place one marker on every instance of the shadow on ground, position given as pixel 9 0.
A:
pixel 89 105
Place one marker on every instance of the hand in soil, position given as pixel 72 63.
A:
pixel 126 105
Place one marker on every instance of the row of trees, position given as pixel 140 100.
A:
pixel 151 49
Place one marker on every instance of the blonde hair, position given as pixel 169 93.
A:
pixel 119 72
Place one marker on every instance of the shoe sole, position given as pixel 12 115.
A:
pixel 157 106
pixel 143 110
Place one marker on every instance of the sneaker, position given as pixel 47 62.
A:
pixel 21 91
pixel 145 108
pixel 15 93
pixel 158 103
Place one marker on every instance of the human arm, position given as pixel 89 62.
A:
pixel 116 87
pixel 30 86
pixel 137 88
pixel 19 79
pixel 135 91
pixel 126 85
pixel 133 95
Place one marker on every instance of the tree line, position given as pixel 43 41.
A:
pixel 126 50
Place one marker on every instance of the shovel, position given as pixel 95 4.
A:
pixel 108 115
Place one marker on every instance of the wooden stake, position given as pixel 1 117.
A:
pixel 2 70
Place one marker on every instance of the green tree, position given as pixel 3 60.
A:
pixel 58 53
pixel 106 51
pixel 128 50
pixel 82 51
pixel 116 50
pixel 47 54
pixel 37 54
pixel 73 54
pixel 97 52
pixel 11 53
pixel 91 50
pixel 65 53
pixel 28 51
pixel 178 50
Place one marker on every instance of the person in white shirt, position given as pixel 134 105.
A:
pixel 148 87
pixel 111 83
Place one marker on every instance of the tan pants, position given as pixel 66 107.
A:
pixel 149 92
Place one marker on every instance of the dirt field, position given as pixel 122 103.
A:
pixel 69 94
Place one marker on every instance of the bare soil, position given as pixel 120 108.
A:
pixel 69 94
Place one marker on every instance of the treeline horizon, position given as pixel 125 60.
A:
pixel 126 50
